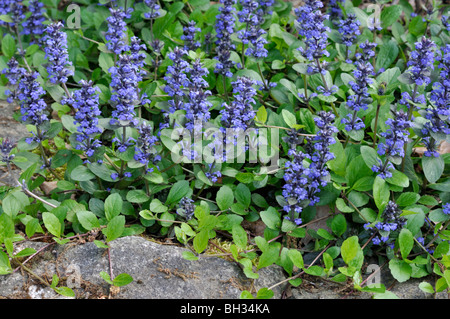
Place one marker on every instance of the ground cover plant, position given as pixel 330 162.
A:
pixel 195 119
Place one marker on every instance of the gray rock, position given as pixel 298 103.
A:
pixel 159 272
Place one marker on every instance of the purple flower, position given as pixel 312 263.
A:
pixel 125 77
pixel 197 109
pixel 86 106
pixel 154 9
pixel 189 36
pixel 310 25
pixel 446 22
pixel 176 79
pixel 335 10
pixel 421 61
pixel 5 7
pixel 6 147
pixel 349 29
pixel 55 49
pixel 240 114
pixel 32 105
pixel 16 13
pixel 145 146
pixel 252 16
pixel 117 29
pixel 186 208
pixel 33 25
pixel 225 24
pixel 136 48
pixel 446 209
pixel 302 182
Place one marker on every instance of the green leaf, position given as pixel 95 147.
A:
pixel 137 196
pixel 406 242
pixel 407 199
pixel 398 178
pixel 88 220
pixel 8 46
pixel 268 257
pixel 65 291
pixel 426 287
pixel 14 202
pixel 389 15
pixel 5 265
pixel 264 293
pixel 433 167
pixel 400 270
pixel 224 197
pixel 168 218
pixel 239 236
pixel 370 156
pixel 339 224
pixel 189 255
pixel 106 277
pixel 289 118
pixel 387 55
pixel 82 174
pixel 179 190
pixel 113 206
pixel 380 193
pixel 25 252
pixel 350 249
pixel 52 224
pixel 157 207
pixel 296 258
pixel 261 115
pixel 122 280
pixel 115 228
pixel 271 218
pixel 201 241
pixel 243 195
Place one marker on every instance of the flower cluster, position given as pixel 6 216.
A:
pixel 197 108
pixel 186 208
pixel 32 105
pixel 446 22
pixel 360 99
pixel 310 25
pixel 13 73
pixel 5 7
pixel 335 10
pixel 225 28
pixel 85 102
pixel 392 221
pixel 301 182
pixel 349 29
pixel 176 78
pixel 189 36
pixel 446 208
pixel 438 113
pixel 125 77
pixel 266 6
pixel 117 28
pixel 252 16
pixel 55 48
pixel 154 9
pixel 136 48
pixel 145 147
pixel 33 25
pixel 6 147
pixel 367 51
pixel 421 61
pixel 16 13
pixel 395 138
pixel 240 114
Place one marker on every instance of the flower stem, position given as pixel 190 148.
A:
pixel 376 126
